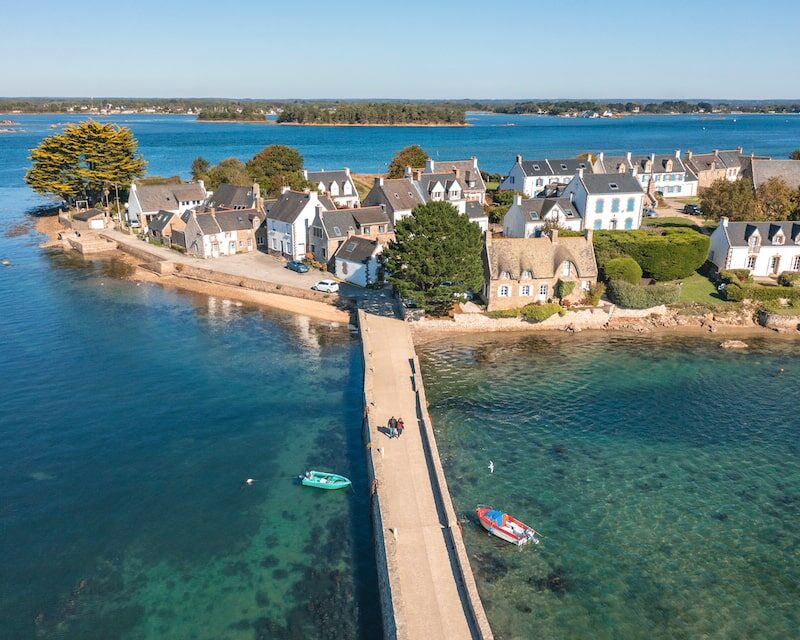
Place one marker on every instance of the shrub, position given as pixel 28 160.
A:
pixel 625 268
pixel 734 292
pixel 631 296
pixel 594 294
pixel 735 275
pixel 789 279
pixel 540 312
pixel 504 313
pixel 564 288
pixel 667 253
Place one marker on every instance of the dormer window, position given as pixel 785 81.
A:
pixel 613 186
pixel 505 275
pixel 536 167
pixel 566 268
pixel 621 168
pixel 779 238
pixel 647 166
pixel 526 275
pixel 563 167
pixel 754 241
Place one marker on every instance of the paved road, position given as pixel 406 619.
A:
pixel 432 595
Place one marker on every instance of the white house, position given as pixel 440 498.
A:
pixel 441 187
pixel 145 201
pixel 666 174
pixel 765 248
pixel 287 221
pixel 337 185
pixel 532 177
pixel 475 212
pixel 467 170
pixel 526 218
pixel 607 201
pixel 357 261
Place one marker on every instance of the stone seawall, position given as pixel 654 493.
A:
pixel 778 322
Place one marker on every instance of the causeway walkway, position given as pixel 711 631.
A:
pixel 427 586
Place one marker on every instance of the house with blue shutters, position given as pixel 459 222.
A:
pixel 607 200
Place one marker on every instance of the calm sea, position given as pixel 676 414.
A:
pixel 130 414
pixel 663 473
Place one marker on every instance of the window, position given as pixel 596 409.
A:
pixel 613 224
pixel 505 275
pixel 525 290
pixel 614 205
pixel 250 244
pixel 644 179
pixel 367 231
pixel 543 290
pixel 631 204
pixel 503 291
pixel 796 263
pixel 754 241
pixel 241 243
pixel 274 244
pixel 751 262
pixel 324 252
pixel 613 186
pixel 512 180
pixel 539 182
pixel 381 228
pixel 526 274
pixel 778 238
pixel 598 205
pixel 585 285
pixel 598 224
pixel 775 264
pixel 260 241
pixel 566 268
pixel 628 224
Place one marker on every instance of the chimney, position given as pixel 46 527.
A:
pixel 580 173
pixel 407 172
pixel 689 154
pixel 474 161
pixel 457 173
pixel 716 153
pixel 628 156
pixel 554 236
pixel 678 154
pixel 600 156
pixel 740 149
pixel 347 171
pixel 519 159
pixel 305 174
pixel 518 199
pixel 723 221
pixel 417 174
pixel 284 189
pixel 587 233
pixel 571 195
pixel 378 182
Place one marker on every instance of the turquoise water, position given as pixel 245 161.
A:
pixel 663 473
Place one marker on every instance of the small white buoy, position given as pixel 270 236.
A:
pixel 249 482
pixel 5 262
pixel 491 466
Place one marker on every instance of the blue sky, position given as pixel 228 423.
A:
pixel 403 49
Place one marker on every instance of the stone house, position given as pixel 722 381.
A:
pixel 89 220
pixel 145 201
pixel 330 229
pixel 228 196
pixel 399 196
pixel 167 226
pixel 759 170
pixel 766 249
pixel 221 233
pixel 526 217
pixel 717 165
pixel 337 185
pixel 358 261
pixel 532 177
pixel 521 271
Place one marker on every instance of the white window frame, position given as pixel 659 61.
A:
pixel 504 291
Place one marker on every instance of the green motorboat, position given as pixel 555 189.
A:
pixel 324 480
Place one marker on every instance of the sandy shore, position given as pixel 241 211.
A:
pixel 50 226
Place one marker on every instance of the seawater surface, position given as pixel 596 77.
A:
pixel 663 473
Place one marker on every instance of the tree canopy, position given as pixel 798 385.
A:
pixel 84 160
pixel 371 113
pixel 777 200
pixel 435 257
pixel 736 200
pixel 412 156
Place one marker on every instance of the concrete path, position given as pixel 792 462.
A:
pixel 430 595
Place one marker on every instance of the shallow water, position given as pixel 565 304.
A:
pixel 663 473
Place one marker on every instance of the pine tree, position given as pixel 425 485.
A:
pixel 85 159
pixel 436 257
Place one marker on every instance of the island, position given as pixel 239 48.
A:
pixel 372 113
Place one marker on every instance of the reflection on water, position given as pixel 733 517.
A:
pixel 662 472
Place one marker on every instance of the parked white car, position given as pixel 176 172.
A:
pixel 327 286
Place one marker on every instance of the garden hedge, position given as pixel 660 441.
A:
pixel 668 253
pixel 789 279
pixel 624 268
pixel 631 296
pixel 735 275
pixel 738 292
pixel 564 288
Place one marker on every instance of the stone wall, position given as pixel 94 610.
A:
pixel 779 322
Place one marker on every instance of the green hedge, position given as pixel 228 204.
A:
pixel 735 275
pixel 539 312
pixel 564 288
pixel 594 294
pixel 631 296
pixel 738 292
pixel 668 253
pixel 789 279
pixel 624 268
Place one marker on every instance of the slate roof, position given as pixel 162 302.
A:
pixel 289 205
pixel 154 197
pixel 161 220
pixel 370 215
pixel 761 170
pixel 427 182
pixel 557 167
pixel 610 164
pixel 207 223
pixel 88 214
pixel 709 161
pixel 228 196
pixel 356 249
pixel 237 220
pixel 474 210
pixel 339 176
pixel 338 223
pixel 399 194
pixel 538 208
pixel 466 169
pixel 739 232
pixel 540 256
pixel 602 183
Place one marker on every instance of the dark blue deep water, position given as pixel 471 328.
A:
pixel 129 415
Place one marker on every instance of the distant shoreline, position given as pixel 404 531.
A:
pixel 336 124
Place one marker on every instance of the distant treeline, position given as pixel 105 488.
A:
pixel 383 112
pixel 371 113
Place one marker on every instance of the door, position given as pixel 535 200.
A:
pixel 774 264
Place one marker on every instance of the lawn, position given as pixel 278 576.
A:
pixel 492 186
pixel 697 289
pixel 675 221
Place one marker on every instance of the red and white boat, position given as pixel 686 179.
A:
pixel 506 527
